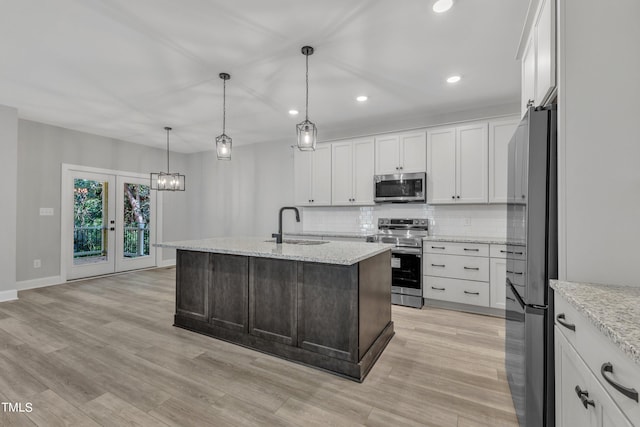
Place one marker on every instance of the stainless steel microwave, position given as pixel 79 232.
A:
pixel 400 188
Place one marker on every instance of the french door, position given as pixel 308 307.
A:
pixel 113 226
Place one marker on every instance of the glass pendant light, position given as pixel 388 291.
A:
pixel 307 131
pixel 167 181
pixel 223 142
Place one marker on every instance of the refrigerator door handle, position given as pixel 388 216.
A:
pixel 515 292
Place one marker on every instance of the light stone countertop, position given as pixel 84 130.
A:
pixel 342 253
pixel 467 239
pixel 614 310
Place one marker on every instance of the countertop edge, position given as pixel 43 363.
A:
pixel 466 239
pixel 349 261
pixel 630 350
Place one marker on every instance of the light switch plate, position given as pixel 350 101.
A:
pixel 46 211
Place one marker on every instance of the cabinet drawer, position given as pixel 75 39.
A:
pixel 459 291
pixel 454 248
pixel 597 351
pixel 457 267
pixel 502 251
pixel 565 319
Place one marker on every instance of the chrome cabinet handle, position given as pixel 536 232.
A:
pixel 631 393
pixel 561 319
pixel 583 395
pixel 472 268
pixel 471 293
pixel 437 265
pixel 438 289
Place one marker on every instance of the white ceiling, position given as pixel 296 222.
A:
pixel 125 69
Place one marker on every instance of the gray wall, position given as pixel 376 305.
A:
pixel 8 166
pixel 41 151
pixel 242 197
pixel 599 142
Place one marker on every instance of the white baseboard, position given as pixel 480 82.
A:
pixel 9 295
pixel 168 263
pixel 39 283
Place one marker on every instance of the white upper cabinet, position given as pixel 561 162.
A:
pixel 538 47
pixel 472 163
pixel 441 170
pixel 457 164
pixel 312 176
pixel 352 172
pixel 500 133
pixel 405 153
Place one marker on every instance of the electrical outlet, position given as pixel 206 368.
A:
pixel 46 211
pixel 467 222
pixel 37 263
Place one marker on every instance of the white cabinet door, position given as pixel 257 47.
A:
pixel 441 166
pixel 545 51
pixel 321 176
pixel 498 276
pixel 522 159
pixel 571 372
pixel 413 152
pixel 529 74
pixel 387 154
pixel 302 164
pixel 472 164
pixel 500 133
pixel 363 161
pixel 342 173
pixel 608 414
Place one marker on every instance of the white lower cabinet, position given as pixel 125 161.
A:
pixel 580 399
pixel 585 391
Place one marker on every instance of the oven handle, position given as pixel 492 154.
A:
pixel 411 251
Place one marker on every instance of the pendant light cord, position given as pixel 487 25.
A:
pixel 307 100
pixel 168 151
pixel 224 105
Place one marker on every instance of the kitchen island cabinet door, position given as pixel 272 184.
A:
pixel 273 299
pixel 192 284
pixel 229 292
pixel 328 310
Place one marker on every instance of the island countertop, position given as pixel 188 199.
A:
pixel 329 252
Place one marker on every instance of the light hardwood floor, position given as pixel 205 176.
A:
pixel 104 352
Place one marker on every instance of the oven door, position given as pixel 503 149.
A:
pixel 398 188
pixel 406 271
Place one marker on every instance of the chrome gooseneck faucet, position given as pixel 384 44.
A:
pixel 278 235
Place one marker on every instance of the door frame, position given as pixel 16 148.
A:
pixel 66 232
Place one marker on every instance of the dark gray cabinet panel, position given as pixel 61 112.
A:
pixel 328 310
pixel 229 292
pixel 375 295
pixel 192 284
pixel 272 299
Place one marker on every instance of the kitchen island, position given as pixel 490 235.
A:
pixel 323 304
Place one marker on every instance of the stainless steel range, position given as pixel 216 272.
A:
pixel 406 257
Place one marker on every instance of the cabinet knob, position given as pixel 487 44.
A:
pixel 453 197
pixel 457 197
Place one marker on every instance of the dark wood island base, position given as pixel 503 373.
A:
pixel 333 317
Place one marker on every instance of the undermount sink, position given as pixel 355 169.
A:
pixel 301 242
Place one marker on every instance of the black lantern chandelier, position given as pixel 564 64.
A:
pixel 223 142
pixel 167 181
pixel 307 131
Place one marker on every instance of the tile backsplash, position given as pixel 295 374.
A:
pixel 462 220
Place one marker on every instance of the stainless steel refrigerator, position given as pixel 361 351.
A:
pixel 532 246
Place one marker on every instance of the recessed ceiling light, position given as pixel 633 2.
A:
pixel 362 98
pixel 293 112
pixel 453 79
pixel 442 6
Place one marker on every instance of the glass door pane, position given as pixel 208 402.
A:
pixel 136 220
pixel 92 248
pixel 137 215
